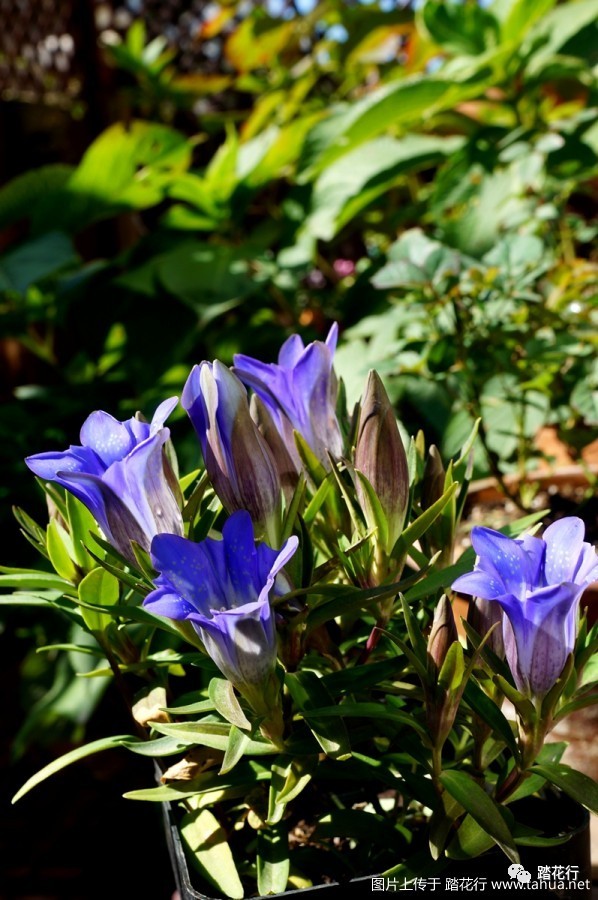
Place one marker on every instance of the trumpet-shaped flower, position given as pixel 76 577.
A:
pixel 538 582
pixel 121 474
pixel 300 392
pixel 238 459
pixel 223 589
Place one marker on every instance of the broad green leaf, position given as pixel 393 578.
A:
pixel 460 28
pixel 308 692
pixel 517 16
pixel 206 839
pixel 73 756
pixel 580 787
pixel 19 198
pixel 222 694
pixel 99 588
pixel 356 179
pixel 482 809
pixel 273 862
pixel 470 840
pixel 36 260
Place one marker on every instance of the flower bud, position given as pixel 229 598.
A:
pixel 482 615
pixel 381 458
pixel 443 633
pixel 287 471
pixel 238 460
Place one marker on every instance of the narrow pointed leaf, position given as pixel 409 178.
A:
pixel 482 809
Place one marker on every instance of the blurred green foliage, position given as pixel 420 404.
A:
pixel 427 178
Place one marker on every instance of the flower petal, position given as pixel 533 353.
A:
pixel 479 584
pixel 564 545
pixel 108 437
pixel 187 569
pixel 502 558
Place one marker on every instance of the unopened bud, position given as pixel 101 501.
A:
pixel 287 470
pixel 443 633
pixel 381 458
pixel 482 615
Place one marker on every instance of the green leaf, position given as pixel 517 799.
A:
pixel 482 809
pixel 360 825
pixel 237 744
pixel 211 854
pixel 19 198
pixel 366 172
pixel 491 714
pixel 470 840
pixel 73 756
pixel 81 523
pixel 30 580
pixel 467 28
pixel 416 529
pixel 453 669
pixel 60 550
pixel 289 776
pixel 580 787
pixel 308 692
pixel 222 694
pixel 273 862
pixel 99 588
pixel 36 260
pixel 211 734
pixel 367 711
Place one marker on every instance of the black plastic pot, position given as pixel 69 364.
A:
pixel 558 816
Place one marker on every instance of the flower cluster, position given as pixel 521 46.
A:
pixel 303 581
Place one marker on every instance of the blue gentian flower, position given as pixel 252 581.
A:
pixel 238 460
pixel 300 393
pixel 538 582
pixel 121 474
pixel 223 589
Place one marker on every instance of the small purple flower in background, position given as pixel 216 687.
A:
pixel 223 589
pixel 121 474
pixel 239 462
pixel 538 582
pixel 300 393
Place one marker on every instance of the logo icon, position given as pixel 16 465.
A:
pixel 517 871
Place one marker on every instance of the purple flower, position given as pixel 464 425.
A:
pixel 300 393
pixel 223 589
pixel 237 457
pixel 121 474
pixel 538 583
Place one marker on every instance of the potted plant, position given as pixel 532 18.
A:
pixel 281 622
